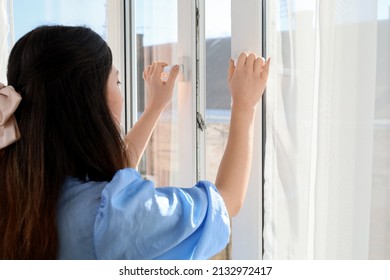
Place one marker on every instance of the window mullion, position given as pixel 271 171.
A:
pixel 247 225
pixel 200 88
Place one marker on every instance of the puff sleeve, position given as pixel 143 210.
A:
pixel 135 220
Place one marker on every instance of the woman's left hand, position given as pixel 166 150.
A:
pixel 159 92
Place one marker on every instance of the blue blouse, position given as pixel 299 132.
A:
pixel 128 218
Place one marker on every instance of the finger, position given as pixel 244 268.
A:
pixel 259 63
pixel 146 72
pixel 265 70
pixel 241 60
pixel 173 75
pixel 231 69
pixel 250 60
pixel 152 67
pixel 158 68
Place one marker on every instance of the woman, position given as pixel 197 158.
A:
pixel 67 183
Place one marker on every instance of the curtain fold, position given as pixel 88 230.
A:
pixel 320 123
pixel 6 36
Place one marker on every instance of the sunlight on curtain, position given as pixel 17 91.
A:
pixel 320 129
pixel 6 36
pixel 380 205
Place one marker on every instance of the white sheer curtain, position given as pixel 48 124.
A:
pixel 6 36
pixel 325 78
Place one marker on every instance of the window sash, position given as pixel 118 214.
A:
pixel 247 225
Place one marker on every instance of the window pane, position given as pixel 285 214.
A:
pixel 30 14
pixel 218 43
pixel 157 38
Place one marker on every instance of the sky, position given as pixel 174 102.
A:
pixel 159 16
pixel 30 13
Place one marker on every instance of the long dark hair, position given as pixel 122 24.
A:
pixel 66 129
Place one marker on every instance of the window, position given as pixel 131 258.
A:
pixel 156 40
pixel 247 34
pixel 106 20
pixel 217 16
pixel 159 36
pixel 24 15
pixel 198 36
pixel 30 14
pixel 380 197
pixel 218 45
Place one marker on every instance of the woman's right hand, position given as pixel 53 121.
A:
pixel 247 80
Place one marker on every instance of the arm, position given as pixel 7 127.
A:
pixel 159 94
pixel 247 83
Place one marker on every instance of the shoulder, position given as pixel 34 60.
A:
pixel 78 204
pixel 75 189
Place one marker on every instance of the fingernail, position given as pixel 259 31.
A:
pixel 177 67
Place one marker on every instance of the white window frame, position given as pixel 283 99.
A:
pixel 247 233
pixel 115 39
pixel 186 55
pixel 247 226
pixel 246 36
pixel 201 93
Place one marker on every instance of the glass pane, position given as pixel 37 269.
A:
pixel 156 34
pixel 218 38
pixel 218 45
pixel 30 14
pixel 380 201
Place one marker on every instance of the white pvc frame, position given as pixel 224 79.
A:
pixel 246 36
pixel 247 226
pixel 186 52
pixel 115 39
pixel 247 232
